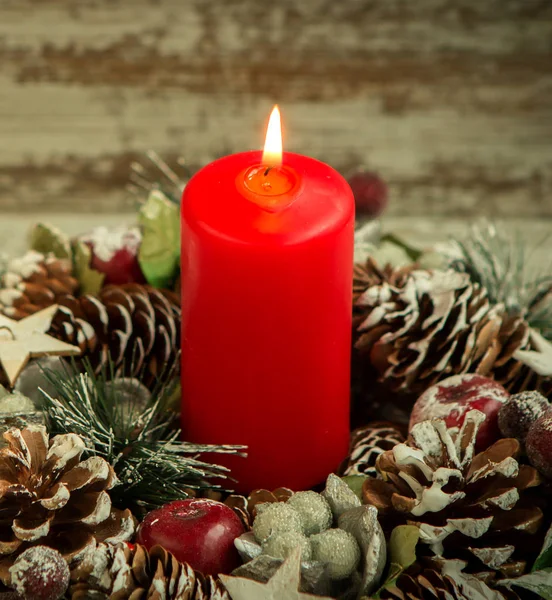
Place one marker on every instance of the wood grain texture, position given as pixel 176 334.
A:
pixel 450 100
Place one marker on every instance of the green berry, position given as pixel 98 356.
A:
pixel 281 545
pixel 275 517
pixel 338 549
pixel 314 511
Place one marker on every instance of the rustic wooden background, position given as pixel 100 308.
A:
pixel 450 100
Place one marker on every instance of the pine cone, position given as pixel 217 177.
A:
pixel 118 572
pixel 431 584
pixel 367 443
pixel 33 282
pixel 476 508
pixel 136 325
pixel 50 497
pixel 416 327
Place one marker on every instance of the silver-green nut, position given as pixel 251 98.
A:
pixel 338 549
pixel 281 545
pixel 275 517
pixel 314 510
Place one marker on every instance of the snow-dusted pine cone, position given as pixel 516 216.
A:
pixel 478 508
pixel 430 583
pixel 367 443
pixel 416 327
pixel 33 282
pixel 50 497
pixel 116 572
pixel 136 325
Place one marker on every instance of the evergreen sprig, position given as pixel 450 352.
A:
pixel 503 266
pixel 152 464
pixel 155 174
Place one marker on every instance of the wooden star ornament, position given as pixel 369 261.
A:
pixel 25 339
pixel 284 584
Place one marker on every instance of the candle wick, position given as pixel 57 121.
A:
pixel 267 171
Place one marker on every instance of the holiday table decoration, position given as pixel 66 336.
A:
pixel 283 585
pixel 269 233
pixel 40 573
pixel 138 439
pixel 437 501
pixel 21 340
pixel 119 571
pixel 198 531
pixel 33 282
pixel 480 506
pixel 51 497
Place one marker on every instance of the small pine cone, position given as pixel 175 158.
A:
pixel 33 282
pixel 367 443
pixel 417 327
pixel 117 572
pixel 136 325
pixel 50 497
pixel 246 508
pixel 476 508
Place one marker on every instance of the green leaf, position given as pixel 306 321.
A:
pixel 90 280
pixel 45 239
pixel 355 483
pixel 402 553
pixel 402 545
pixel 159 254
pixel 539 582
pixel 544 559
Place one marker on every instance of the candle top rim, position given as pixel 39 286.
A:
pixel 213 203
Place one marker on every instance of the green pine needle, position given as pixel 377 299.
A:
pixel 152 464
pixel 503 266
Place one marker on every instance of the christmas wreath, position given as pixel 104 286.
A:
pixel 447 489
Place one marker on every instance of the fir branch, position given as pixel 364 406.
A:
pixel 153 466
pixel 155 174
pixel 503 266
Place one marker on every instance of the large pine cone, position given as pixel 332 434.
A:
pixel 430 583
pixel 48 496
pixel 117 572
pixel 475 508
pixel 137 326
pixel 33 282
pixel 416 327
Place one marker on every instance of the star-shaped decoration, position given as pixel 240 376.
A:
pixel 540 359
pixel 25 339
pixel 284 584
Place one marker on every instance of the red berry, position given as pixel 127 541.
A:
pixel 538 444
pixel 115 254
pixel 370 193
pixel 40 573
pixel 452 398
pixel 200 532
pixel 518 414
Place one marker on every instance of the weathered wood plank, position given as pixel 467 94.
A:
pixel 448 99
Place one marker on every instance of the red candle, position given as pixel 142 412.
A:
pixel 267 263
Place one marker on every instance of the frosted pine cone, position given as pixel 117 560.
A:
pixel 367 443
pixel 136 325
pixel 473 507
pixel 416 327
pixel 33 282
pixel 115 572
pixel 50 497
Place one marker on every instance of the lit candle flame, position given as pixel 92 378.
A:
pixel 272 153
